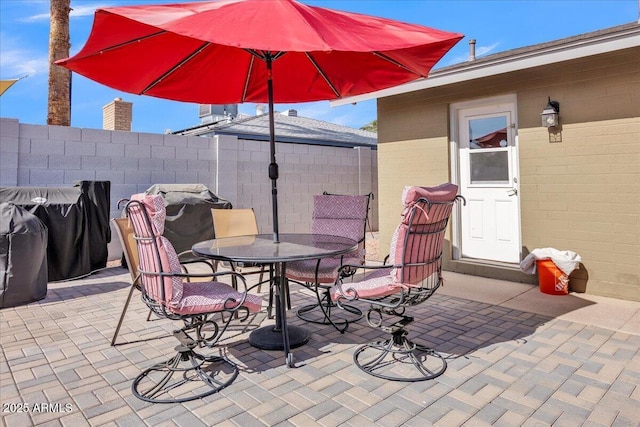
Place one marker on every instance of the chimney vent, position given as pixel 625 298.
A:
pixel 290 112
pixel 117 115
pixel 260 109
pixel 472 50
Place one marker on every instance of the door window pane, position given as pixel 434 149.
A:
pixel 488 133
pixel 488 155
pixel 489 167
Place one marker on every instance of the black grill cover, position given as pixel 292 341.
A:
pixel 97 196
pixel 77 219
pixel 188 213
pixel 23 256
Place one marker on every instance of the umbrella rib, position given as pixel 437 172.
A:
pixel 393 61
pixel 256 53
pixel 263 56
pixel 246 83
pixel 324 76
pixel 119 45
pixel 174 68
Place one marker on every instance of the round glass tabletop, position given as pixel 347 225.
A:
pixel 262 249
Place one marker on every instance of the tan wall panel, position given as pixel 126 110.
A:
pixel 412 121
pixel 415 162
pixel 591 204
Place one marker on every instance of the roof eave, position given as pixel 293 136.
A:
pixel 547 53
pixel 294 140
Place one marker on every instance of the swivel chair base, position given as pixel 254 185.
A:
pixel 174 381
pixel 398 359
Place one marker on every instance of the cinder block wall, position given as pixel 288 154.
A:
pixel 419 155
pixel 304 170
pixel 583 192
pixel 58 156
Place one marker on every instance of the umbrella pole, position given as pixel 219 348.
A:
pixel 273 166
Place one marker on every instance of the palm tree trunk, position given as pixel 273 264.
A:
pixel 59 105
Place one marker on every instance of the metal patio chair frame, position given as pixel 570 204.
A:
pixel 413 276
pixel 197 308
pixel 321 286
pixel 125 233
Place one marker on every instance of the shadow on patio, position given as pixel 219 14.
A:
pixel 509 363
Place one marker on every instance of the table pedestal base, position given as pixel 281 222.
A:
pixel 268 338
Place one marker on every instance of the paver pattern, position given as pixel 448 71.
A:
pixel 506 367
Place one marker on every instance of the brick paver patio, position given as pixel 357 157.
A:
pixel 506 367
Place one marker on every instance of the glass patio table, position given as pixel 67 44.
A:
pixel 261 249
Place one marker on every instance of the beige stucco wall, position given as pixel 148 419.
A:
pixel 580 193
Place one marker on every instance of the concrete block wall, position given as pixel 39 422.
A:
pixel 236 170
pixel 58 156
pixel 583 194
pixel 304 170
pixel 9 149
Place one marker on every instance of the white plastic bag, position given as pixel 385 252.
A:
pixel 566 261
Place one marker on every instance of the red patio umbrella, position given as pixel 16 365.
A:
pixel 234 51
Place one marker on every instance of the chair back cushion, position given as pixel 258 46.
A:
pixel 342 215
pixel 156 254
pixel 416 245
pixel 234 222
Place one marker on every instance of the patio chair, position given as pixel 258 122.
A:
pixel 242 222
pixel 168 292
pixel 338 215
pixel 234 223
pixel 124 230
pixel 412 277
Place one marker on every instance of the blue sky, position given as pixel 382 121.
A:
pixel 496 25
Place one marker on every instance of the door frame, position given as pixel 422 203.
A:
pixel 454 158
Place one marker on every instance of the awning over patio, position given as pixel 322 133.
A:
pixel 6 84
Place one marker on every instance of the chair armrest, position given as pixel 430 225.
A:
pixel 359 266
pixel 347 294
pixel 189 258
pixel 350 296
pixel 213 276
pixel 235 275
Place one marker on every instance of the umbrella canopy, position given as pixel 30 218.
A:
pixel 234 51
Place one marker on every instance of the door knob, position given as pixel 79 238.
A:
pixel 512 192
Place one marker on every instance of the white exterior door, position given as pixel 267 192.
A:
pixel 489 224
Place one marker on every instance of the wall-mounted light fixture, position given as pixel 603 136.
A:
pixel 551 114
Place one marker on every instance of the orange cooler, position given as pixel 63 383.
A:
pixel 551 279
